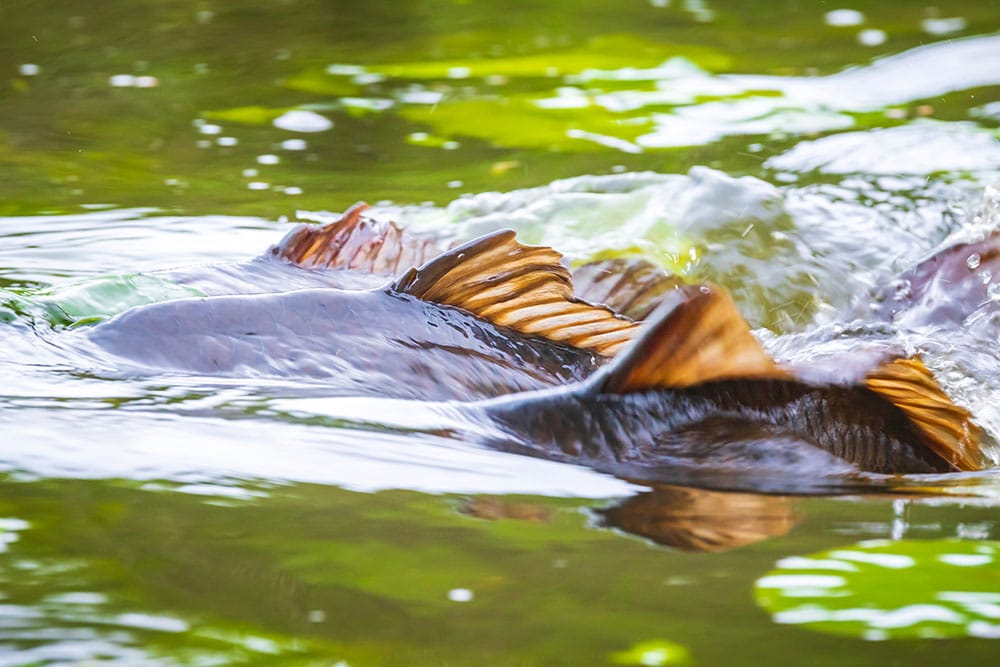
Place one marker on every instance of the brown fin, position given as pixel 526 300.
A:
pixel 356 243
pixel 522 287
pixel 630 287
pixel 696 336
pixel 948 428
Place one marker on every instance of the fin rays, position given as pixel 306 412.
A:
pixel 947 427
pixel 355 242
pixel 522 287
pixel 696 336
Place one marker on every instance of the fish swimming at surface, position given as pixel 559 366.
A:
pixel 697 392
pixel 484 319
pixel 494 327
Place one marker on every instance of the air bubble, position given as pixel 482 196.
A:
pixel 973 261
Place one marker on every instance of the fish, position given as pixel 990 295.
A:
pixel 485 318
pixel 493 332
pixel 696 392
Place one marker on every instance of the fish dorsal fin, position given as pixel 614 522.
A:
pixel 947 427
pixel 697 335
pixel 630 287
pixel 357 243
pixel 522 287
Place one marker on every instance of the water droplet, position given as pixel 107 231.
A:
pixel 29 69
pixel 841 18
pixel 460 595
pixel 299 120
pixel 294 144
pixel 901 290
pixel 268 159
pixel 973 261
pixel 872 37
pixel 945 26
pixel 122 81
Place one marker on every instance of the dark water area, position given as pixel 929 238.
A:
pixel 801 155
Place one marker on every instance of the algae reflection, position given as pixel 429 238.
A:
pixel 205 573
pixel 265 109
pixel 881 589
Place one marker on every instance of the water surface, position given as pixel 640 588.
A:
pixel 799 157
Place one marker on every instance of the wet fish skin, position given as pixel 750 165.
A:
pixel 376 343
pixel 945 289
pixel 786 427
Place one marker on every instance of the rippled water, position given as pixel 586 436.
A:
pixel 801 159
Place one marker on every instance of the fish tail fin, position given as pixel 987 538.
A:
pixel 525 288
pixel 355 242
pixel 946 428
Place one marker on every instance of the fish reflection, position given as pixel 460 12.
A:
pixel 693 519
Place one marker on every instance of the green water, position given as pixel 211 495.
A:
pixel 189 521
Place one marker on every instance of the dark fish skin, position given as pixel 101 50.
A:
pixel 945 288
pixel 759 426
pixel 374 343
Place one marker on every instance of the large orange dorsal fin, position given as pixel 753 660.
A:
pixel 522 287
pixel 697 335
pixel 948 428
pixel 357 243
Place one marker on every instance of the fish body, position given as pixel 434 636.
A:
pixel 375 342
pixel 764 426
pixel 696 391
pixel 487 318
